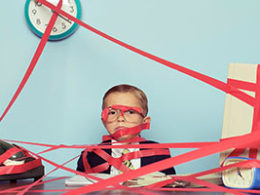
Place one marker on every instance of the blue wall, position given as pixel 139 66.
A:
pixel 61 103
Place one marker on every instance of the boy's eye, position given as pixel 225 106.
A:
pixel 130 112
pixel 112 112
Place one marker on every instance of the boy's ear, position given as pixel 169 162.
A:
pixel 103 122
pixel 147 119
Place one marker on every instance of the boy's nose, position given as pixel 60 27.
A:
pixel 121 117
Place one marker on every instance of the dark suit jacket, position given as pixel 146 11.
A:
pixel 94 159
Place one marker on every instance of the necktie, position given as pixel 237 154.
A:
pixel 127 162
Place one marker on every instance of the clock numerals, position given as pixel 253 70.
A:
pixel 71 9
pixel 38 21
pixel 54 29
pixel 37 4
pixel 63 25
pixel 34 11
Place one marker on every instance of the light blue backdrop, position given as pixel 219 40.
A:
pixel 61 103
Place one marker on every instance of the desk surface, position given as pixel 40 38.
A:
pixel 59 185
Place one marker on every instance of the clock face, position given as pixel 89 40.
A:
pixel 237 177
pixel 38 16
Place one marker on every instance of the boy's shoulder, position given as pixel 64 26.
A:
pixel 149 142
pixel 106 142
pixel 141 142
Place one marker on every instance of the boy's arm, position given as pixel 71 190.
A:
pixel 93 160
pixel 156 158
pixel 80 166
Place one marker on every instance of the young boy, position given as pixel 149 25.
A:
pixel 124 115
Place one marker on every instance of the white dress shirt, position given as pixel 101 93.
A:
pixel 117 153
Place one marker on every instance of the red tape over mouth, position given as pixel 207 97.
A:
pixel 129 131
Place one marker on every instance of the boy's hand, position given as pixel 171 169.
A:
pixel 130 183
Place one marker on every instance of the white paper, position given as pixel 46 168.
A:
pixel 79 180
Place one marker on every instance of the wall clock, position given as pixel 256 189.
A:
pixel 37 16
pixel 240 177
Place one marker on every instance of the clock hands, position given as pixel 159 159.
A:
pixel 66 19
pixel 239 173
pixel 56 1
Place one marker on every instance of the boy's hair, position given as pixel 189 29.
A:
pixel 128 88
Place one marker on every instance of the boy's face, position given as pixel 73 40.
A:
pixel 125 99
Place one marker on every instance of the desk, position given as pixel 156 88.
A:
pixel 60 186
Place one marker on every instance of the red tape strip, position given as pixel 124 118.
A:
pixel 15 169
pixel 8 154
pixel 164 164
pixel 242 84
pixel 206 79
pixel 207 172
pixel 35 58
pixel 130 131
